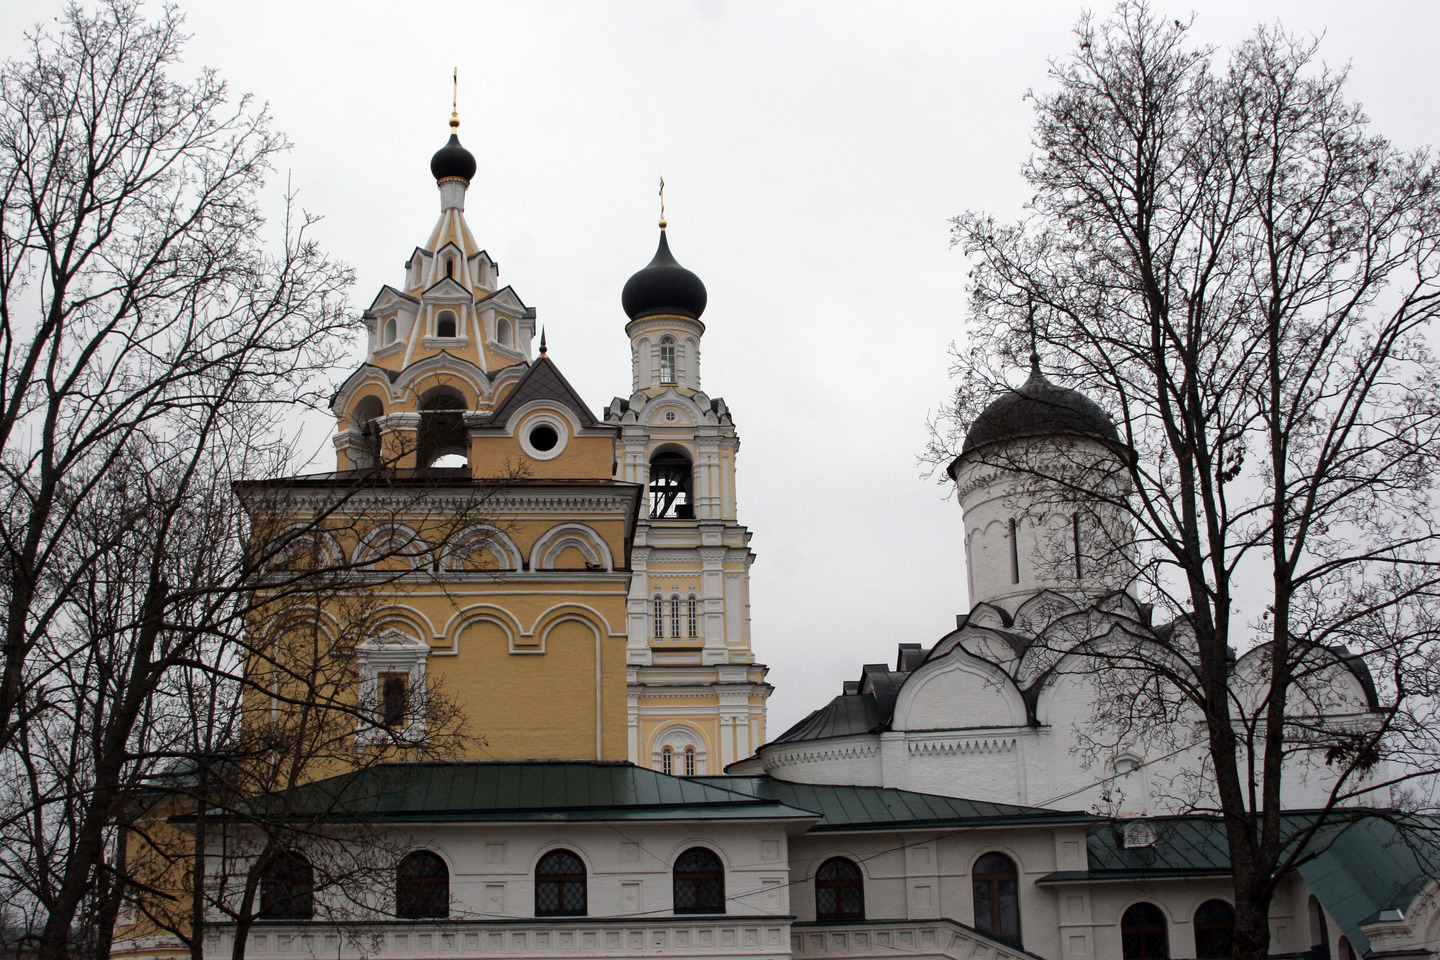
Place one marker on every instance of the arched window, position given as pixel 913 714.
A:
pixel 692 619
pixel 674 616
pixel 1346 951
pixel 422 886
pixel 667 360
pixel 839 890
pixel 667 760
pixel 442 426
pixel 504 332
pixel 1014 551
pixel 699 882
pixel 1214 930
pixel 446 325
pixel 560 885
pixel 659 617
pixel 390 330
pixel 449 267
pixel 689 761
pixel 363 416
pixel 1143 933
pixel 996 885
pixel 670 487
pixel 287 888
pixel 1319 932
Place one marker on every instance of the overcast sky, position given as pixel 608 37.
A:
pixel 812 155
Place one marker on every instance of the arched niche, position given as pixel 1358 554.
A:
pixel 442 426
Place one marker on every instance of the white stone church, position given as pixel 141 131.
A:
pixel 948 804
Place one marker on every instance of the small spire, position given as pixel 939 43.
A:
pixel 455 101
pixel 542 341
pixel 662 203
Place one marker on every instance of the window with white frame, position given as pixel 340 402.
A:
pixel 392 687
pixel 659 605
pixel 692 618
pixel 675 616
pixel 667 360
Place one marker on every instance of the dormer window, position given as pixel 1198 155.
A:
pixel 449 269
pixel 442 427
pixel 446 325
pixel 667 360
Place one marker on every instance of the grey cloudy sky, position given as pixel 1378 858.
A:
pixel 812 154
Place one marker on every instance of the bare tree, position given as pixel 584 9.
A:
pixel 1244 275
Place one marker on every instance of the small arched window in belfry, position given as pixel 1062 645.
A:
pixel 674 616
pixel 504 333
pixel 450 268
pixel 422 886
pixel 560 885
pixel 442 426
pixel 1143 934
pixel 699 882
pixel 670 487
pixel 667 760
pixel 692 620
pixel 394 700
pixel 667 360
pixel 689 761
pixel 390 331
pixel 446 325
pixel 839 890
pixel 996 885
pixel 659 611
pixel 1214 930
pixel 363 418
pixel 287 888
pixel 1346 951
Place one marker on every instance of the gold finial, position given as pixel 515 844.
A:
pixel 455 101
pixel 662 203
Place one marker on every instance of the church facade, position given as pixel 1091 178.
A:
pixel 592 620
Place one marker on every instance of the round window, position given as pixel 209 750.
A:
pixel 670 416
pixel 543 437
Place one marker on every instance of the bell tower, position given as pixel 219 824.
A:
pixel 696 695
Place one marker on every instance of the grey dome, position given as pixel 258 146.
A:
pixel 1039 408
pixel 663 287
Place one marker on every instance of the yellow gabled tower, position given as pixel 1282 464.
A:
pixel 522 615
pixel 696 695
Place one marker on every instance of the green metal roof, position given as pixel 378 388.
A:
pixel 529 790
pixel 876 808
pixel 1373 865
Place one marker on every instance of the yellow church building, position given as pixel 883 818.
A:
pixel 598 606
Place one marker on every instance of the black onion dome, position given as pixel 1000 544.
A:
pixel 1039 408
pixel 663 287
pixel 453 160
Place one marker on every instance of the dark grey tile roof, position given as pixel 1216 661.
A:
pixel 543 381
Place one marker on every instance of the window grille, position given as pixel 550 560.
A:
pixel 560 885
pixel 667 761
pixel 1143 935
pixel 692 615
pixel 839 890
pixel 689 761
pixel 287 888
pixel 699 882
pixel 674 616
pixel 659 617
pixel 422 886
pixel 394 696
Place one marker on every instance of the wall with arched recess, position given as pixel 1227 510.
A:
pixel 552 688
